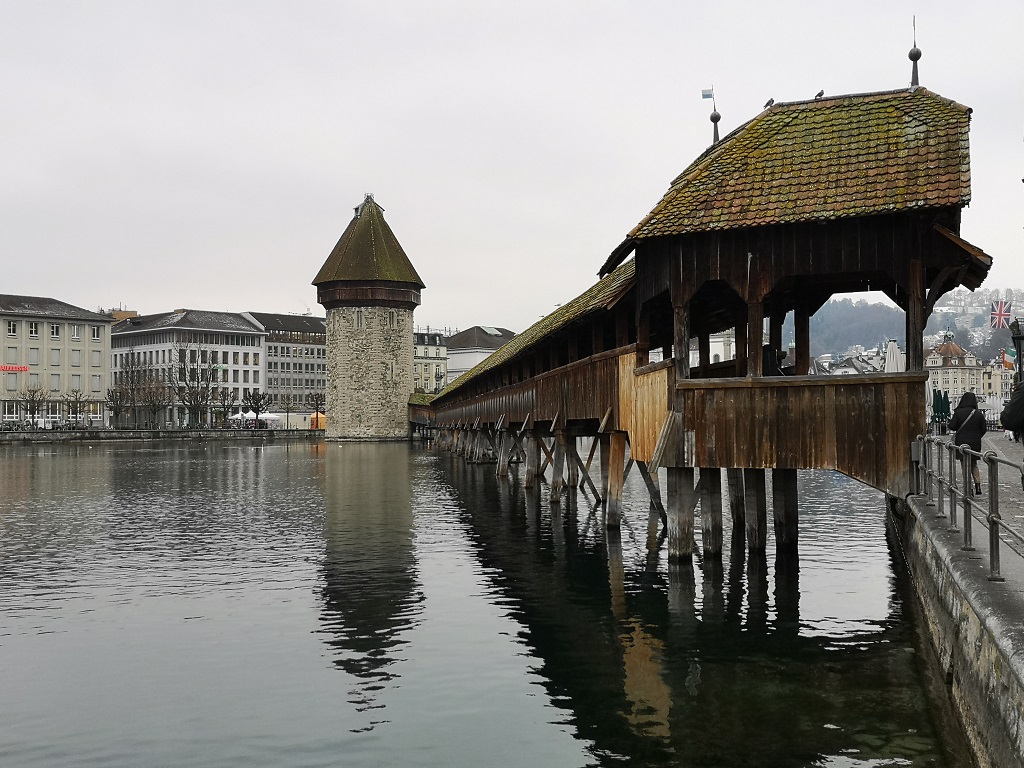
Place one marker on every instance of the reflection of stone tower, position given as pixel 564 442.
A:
pixel 370 289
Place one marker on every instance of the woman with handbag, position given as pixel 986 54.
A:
pixel 969 424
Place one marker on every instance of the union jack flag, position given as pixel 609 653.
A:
pixel 1001 314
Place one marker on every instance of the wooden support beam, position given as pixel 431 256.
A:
pixel 802 328
pixel 703 354
pixel 558 468
pixel 532 459
pixel 784 508
pixel 682 500
pixel 756 502
pixel 587 480
pixel 616 476
pixel 736 506
pixel 505 443
pixel 573 470
pixel 711 511
pixel 606 450
pixel 755 339
pixel 651 481
pixel 681 341
pixel 916 316
pixel 741 349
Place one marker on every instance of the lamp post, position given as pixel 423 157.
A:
pixel 1018 341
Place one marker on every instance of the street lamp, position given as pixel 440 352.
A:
pixel 1018 341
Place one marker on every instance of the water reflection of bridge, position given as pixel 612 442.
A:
pixel 806 200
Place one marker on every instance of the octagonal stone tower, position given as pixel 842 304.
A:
pixel 370 289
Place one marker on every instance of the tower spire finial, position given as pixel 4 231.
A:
pixel 914 55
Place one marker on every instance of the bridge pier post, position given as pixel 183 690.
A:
pixel 615 474
pixel 504 454
pixel 532 459
pixel 734 477
pixel 784 508
pixel 573 467
pixel 756 509
pixel 558 468
pixel 711 511
pixel 682 499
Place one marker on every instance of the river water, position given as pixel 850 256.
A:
pixel 207 604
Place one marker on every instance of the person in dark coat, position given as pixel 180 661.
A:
pixel 969 424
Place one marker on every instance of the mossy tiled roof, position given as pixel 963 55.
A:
pixel 368 251
pixel 602 295
pixel 824 159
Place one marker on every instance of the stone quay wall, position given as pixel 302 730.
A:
pixel 976 627
pixel 104 435
pixel 369 373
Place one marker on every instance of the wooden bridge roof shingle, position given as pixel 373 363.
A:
pixel 368 251
pixel 602 295
pixel 822 159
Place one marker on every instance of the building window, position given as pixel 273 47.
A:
pixel 95 382
pixel 12 356
pixel 33 329
pixel 55 382
pixel 76 381
pixel 97 359
pixel 33 355
pixel 76 357
pixel 76 331
pixel 255 377
pixel 96 332
pixel 12 382
pixel 55 331
pixel 54 357
pixel 12 327
pixel 360 322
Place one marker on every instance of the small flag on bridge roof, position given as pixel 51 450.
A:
pixel 1009 358
pixel 1001 314
pixel 707 93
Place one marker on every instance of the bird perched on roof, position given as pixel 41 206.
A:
pixel 768 103
pixel 819 94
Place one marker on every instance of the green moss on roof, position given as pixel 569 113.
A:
pixel 421 398
pixel 600 296
pixel 824 159
pixel 368 251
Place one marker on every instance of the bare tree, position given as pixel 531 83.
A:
pixel 288 405
pixel 257 402
pixel 156 396
pixel 76 403
pixel 317 401
pixel 31 400
pixel 193 377
pixel 224 399
pixel 116 402
pixel 131 378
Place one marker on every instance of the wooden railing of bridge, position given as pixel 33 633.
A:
pixel 862 425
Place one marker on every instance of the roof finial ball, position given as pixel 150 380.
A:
pixel 715 117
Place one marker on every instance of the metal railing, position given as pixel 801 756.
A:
pixel 944 475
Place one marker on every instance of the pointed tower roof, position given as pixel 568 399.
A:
pixel 368 266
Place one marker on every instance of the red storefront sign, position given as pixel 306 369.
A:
pixel 13 367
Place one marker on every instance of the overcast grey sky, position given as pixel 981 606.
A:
pixel 209 154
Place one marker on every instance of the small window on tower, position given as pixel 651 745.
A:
pixel 359 319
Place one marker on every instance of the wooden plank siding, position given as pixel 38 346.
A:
pixel 644 402
pixel 861 426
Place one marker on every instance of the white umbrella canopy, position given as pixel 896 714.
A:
pixel 249 415
pixel 893 358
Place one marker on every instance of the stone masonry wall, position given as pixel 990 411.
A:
pixel 369 373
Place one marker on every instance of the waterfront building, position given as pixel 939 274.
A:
pixel 295 363
pixel 953 369
pixel 186 367
pixel 56 361
pixel 472 346
pixel 430 361
pixel 369 288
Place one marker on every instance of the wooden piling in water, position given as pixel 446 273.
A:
pixel 711 511
pixel 756 505
pixel 616 457
pixel 784 508
pixel 682 499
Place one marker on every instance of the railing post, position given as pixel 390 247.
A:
pixel 940 491
pixel 926 471
pixel 952 486
pixel 968 494
pixel 994 520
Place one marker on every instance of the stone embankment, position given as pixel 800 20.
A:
pixel 976 624
pixel 103 435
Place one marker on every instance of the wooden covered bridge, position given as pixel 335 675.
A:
pixel 806 200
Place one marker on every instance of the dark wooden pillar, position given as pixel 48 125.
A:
pixel 775 330
pixel 680 504
pixel 755 339
pixel 784 507
pixel 643 335
pixel 572 459
pixel 558 468
pixel 532 459
pixel 711 511
pixel 756 503
pixel 736 506
pixel 916 317
pixel 704 353
pixel 681 340
pixel 741 349
pixel 616 477
pixel 802 327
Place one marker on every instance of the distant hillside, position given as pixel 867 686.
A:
pixel 843 323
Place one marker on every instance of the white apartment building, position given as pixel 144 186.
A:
pixel 55 361
pixel 296 362
pixel 187 350
pixel 430 361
